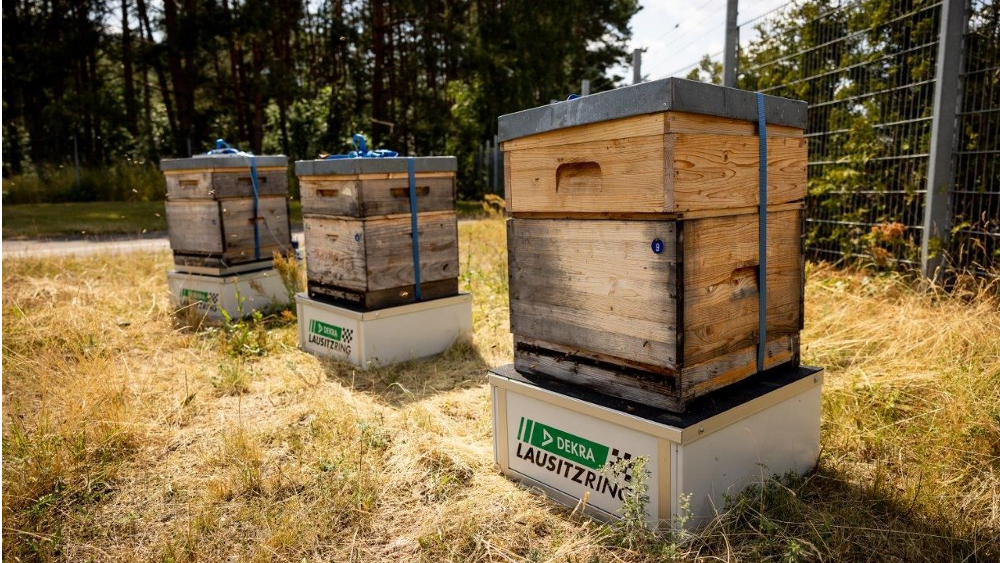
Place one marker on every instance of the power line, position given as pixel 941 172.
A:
pixel 686 67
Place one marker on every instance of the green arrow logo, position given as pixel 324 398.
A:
pixel 569 446
pixel 326 330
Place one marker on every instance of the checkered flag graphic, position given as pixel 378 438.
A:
pixel 348 335
pixel 213 300
pixel 617 455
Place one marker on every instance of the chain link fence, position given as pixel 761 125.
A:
pixel 868 69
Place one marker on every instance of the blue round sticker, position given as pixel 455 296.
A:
pixel 657 246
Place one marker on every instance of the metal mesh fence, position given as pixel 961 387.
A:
pixel 867 70
pixel 975 242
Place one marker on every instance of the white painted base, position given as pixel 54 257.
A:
pixel 385 336
pixel 560 444
pixel 236 294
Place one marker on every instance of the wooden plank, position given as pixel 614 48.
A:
pixel 720 282
pixel 635 126
pixel 672 216
pixel 595 286
pixel 365 198
pixel 326 196
pixel 194 226
pixel 389 249
pixel 238 184
pixel 730 368
pixel 696 123
pixel 614 380
pixel 655 174
pixel 372 300
pixel 188 185
pixel 238 225
pixel 335 252
pixel 713 172
pixel 623 175
pixel 233 183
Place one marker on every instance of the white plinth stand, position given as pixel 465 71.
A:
pixel 210 294
pixel 386 336
pixel 557 438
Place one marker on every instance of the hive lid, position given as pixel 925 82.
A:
pixel 350 166
pixel 669 94
pixel 221 161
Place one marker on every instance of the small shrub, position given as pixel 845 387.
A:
pixel 291 272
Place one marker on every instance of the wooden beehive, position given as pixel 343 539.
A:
pixel 358 235
pixel 210 212
pixel 633 238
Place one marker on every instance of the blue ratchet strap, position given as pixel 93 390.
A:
pixel 222 147
pixel 361 150
pixel 762 234
pixel 413 227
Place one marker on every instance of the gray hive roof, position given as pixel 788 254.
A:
pixel 221 161
pixel 349 166
pixel 669 94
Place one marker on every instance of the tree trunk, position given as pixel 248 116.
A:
pixel 379 101
pixel 131 119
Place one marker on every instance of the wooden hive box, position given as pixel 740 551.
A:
pixel 356 215
pixel 210 212
pixel 633 238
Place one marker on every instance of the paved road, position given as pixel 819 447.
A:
pixel 83 247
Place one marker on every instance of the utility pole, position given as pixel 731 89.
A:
pixel 636 66
pixel 937 200
pixel 732 45
pixel 584 87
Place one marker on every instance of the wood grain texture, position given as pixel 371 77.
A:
pixel 712 172
pixel 195 226
pixel 366 198
pixel 721 371
pixel 375 254
pixel 624 175
pixel 225 229
pixel 721 287
pixel 610 379
pixel 335 251
pixel 389 249
pixel 635 126
pixel 696 123
pixel 272 220
pixel 595 286
pixel 655 174
pixel 233 183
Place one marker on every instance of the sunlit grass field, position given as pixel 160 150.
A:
pixel 129 438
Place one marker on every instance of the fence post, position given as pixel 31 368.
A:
pixel 584 87
pixel 495 155
pixel 636 66
pixel 729 60
pixel 488 163
pixel 937 204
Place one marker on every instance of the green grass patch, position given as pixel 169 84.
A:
pixel 94 218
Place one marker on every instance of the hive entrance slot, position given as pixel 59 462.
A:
pixel 579 177
pixel 405 192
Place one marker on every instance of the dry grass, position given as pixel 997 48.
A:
pixel 126 438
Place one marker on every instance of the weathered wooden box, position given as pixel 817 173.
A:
pixel 210 212
pixel 633 238
pixel 358 234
